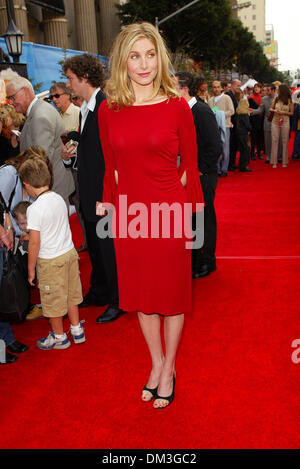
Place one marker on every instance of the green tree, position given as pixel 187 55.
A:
pixel 197 30
pixel 205 32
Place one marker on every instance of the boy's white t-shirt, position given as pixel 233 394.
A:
pixel 49 215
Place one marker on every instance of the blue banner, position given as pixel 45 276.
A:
pixel 43 65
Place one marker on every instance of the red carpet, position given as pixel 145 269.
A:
pixel 237 386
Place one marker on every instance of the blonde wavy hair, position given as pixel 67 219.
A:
pixel 118 87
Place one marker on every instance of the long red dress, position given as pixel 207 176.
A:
pixel 142 143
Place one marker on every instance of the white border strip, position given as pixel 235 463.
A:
pixel 259 257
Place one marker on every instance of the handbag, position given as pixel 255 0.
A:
pixel 15 289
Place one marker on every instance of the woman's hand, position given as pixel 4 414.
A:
pixel 100 209
pixel 7 238
pixel 183 179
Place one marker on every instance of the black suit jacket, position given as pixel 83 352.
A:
pixel 90 164
pixel 209 145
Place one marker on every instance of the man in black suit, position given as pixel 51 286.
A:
pixel 209 149
pixel 235 88
pixel 85 76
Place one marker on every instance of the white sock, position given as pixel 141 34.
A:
pixel 60 337
pixel 76 328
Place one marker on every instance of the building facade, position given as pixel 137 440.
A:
pixel 271 46
pixel 253 17
pixel 87 25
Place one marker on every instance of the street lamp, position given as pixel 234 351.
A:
pixel 13 38
pixel 157 22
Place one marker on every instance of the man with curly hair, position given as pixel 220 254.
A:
pixel 85 76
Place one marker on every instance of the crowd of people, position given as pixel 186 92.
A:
pixel 258 121
pixel 156 137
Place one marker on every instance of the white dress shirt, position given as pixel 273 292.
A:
pixel 31 105
pixel 192 101
pixel 86 107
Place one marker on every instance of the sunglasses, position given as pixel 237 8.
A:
pixel 51 96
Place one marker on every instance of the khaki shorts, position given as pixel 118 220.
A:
pixel 59 283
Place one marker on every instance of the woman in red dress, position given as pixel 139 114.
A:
pixel 144 125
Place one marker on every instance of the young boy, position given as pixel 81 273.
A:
pixel 20 216
pixel 51 249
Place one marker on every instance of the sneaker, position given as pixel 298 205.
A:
pixel 35 313
pixel 52 342
pixel 78 337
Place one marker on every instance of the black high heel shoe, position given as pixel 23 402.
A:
pixel 170 398
pixel 152 391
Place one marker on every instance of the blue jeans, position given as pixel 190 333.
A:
pixel 224 158
pixel 296 148
pixel 6 332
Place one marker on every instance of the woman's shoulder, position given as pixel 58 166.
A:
pixel 179 104
pixel 177 101
pixel 103 106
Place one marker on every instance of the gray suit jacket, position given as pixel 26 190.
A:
pixel 264 109
pixel 44 127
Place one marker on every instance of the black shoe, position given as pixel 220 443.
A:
pixel 204 270
pixel 280 160
pixel 267 162
pixel 17 347
pixel 232 168
pixel 91 300
pixel 9 358
pixel 245 170
pixel 152 391
pixel 110 315
pixel 253 158
pixel 170 398
pixel 223 174
pixel 259 157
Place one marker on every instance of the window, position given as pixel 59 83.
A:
pixel 254 17
pixel 254 28
pixel 253 7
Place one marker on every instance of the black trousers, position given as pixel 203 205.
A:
pixel 233 147
pixel 256 141
pixel 244 151
pixel 206 254
pixel 104 280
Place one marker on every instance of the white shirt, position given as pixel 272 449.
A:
pixel 216 98
pixel 31 105
pixel 88 106
pixel 192 101
pixel 49 215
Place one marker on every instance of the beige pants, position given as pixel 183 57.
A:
pixel 284 130
pixel 59 283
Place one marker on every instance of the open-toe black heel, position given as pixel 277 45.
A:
pixel 152 391
pixel 170 398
